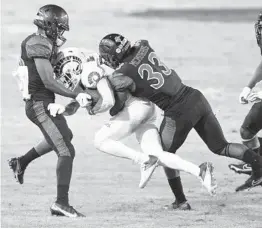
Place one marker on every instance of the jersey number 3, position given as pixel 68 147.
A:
pixel 157 73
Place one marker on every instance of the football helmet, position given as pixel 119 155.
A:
pixel 113 49
pixel 54 21
pixel 69 66
pixel 258 29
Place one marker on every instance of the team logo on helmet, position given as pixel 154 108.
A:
pixel 68 71
pixel 118 39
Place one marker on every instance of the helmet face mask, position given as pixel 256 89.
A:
pixel 54 21
pixel 110 61
pixel 113 49
pixel 60 40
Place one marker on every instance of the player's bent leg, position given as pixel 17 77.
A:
pixel 251 141
pixel 210 131
pixel 251 126
pixel 108 140
pixel 58 136
pixel 19 164
pixel 167 131
pixel 150 143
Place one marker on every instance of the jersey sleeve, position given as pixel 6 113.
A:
pixel 120 80
pixel 38 47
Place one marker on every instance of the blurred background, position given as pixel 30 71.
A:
pixel 212 46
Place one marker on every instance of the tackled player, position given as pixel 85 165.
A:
pixel 137 116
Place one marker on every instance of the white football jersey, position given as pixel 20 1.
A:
pixel 92 72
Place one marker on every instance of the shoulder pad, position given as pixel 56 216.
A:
pixel 39 47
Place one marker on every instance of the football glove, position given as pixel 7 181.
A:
pixel 255 97
pixel 84 99
pixel 243 97
pixel 55 109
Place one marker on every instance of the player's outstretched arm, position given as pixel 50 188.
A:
pixel 257 76
pixel 45 71
pixel 244 96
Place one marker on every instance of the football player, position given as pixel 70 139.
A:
pixel 39 87
pixel 253 122
pixel 184 107
pixel 137 116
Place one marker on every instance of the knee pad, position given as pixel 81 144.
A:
pixel 246 134
pixel 67 150
pixel 221 148
pixel 249 139
pixel 222 151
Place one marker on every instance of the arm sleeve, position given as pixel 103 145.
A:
pixel 38 47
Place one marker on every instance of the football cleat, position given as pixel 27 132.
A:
pixel 242 168
pixel 207 177
pixel 64 210
pixel 251 182
pixel 184 206
pixel 147 169
pixel 15 165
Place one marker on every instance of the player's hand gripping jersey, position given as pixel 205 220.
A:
pixel 80 69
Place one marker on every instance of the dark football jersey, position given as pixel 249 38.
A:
pixel 37 46
pixel 152 78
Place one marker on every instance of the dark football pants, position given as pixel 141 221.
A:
pixel 55 129
pixel 253 122
pixel 195 114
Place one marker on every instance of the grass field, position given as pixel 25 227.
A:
pixel 216 57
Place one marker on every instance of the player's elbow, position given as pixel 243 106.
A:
pixel 47 84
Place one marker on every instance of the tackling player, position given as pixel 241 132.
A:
pixel 253 121
pixel 39 87
pixel 137 116
pixel 185 107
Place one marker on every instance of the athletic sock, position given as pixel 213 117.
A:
pixel 28 157
pixel 177 188
pixel 64 173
